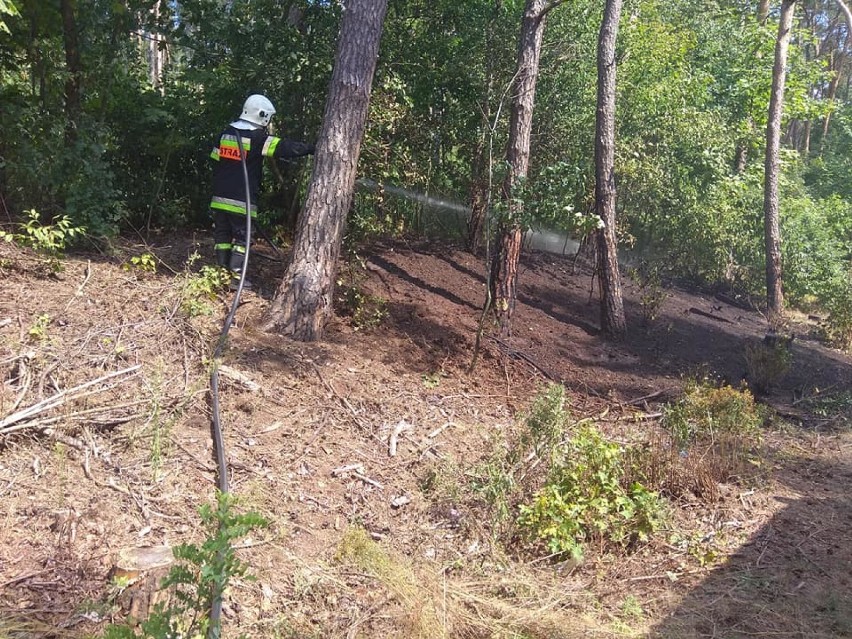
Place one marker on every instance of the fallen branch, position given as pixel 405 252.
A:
pixel 358 421
pixel 367 480
pixel 510 351
pixel 237 376
pixel 439 430
pixel 7 424
pixel 394 437
pixel 80 288
pixel 698 311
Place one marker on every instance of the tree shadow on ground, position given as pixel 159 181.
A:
pixel 793 578
pixel 689 335
pixel 402 274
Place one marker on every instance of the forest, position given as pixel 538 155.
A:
pixel 434 429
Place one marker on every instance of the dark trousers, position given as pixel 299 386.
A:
pixel 229 230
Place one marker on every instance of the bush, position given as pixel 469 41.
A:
pixel 49 240
pixel 201 289
pixel 706 413
pixel 709 436
pixel 767 362
pixel 586 499
pixel 498 478
pixel 200 576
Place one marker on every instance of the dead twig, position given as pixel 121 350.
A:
pixel 514 353
pixel 79 290
pixel 7 425
pixel 358 421
pixel 394 437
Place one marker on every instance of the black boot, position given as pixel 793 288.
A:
pixel 236 266
pixel 223 258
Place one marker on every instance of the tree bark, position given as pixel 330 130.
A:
pixel 303 302
pixel 504 266
pixel 771 215
pixel 74 68
pixel 613 322
pixel 832 94
pixel 762 11
pixel 482 160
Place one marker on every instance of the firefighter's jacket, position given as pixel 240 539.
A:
pixel 229 190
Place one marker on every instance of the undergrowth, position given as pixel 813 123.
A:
pixel 200 576
pixel 586 499
pixel 565 488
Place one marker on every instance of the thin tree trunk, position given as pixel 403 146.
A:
pixel 762 11
pixel 771 215
pixel 504 266
pixel 832 93
pixel 74 68
pixel 481 166
pixel 613 322
pixel 303 302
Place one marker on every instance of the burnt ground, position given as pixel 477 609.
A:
pixel 125 462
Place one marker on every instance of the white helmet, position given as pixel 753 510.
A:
pixel 258 110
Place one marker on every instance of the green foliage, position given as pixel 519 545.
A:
pixel 494 480
pixel 767 363
pixel 707 412
pixel 49 240
pixel 38 331
pixel 144 263
pixel 366 310
pixel 497 479
pixel 545 421
pixel 7 8
pixel 200 289
pixel 652 294
pixel 200 576
pixel 836 406
pixel 693 94
pixel 586 500
pixel 721 423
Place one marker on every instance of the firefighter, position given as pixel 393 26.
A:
pixel 229 191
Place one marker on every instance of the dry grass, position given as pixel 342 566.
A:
pixel 436 606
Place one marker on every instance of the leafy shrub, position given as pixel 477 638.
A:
pixel 201 289
pixel 545 421
pixel 366 310
pixel 706 412
pixel 200 576
pixel 144 263
pixel 767 363
pixel 652 294
pixel 709 436
pixel 586 500
pixel 497 479
pixel 49 240
pixel 838 331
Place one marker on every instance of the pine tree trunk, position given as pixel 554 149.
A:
pixel 613 322
pixel 303 302
pixel 771 215
pixel 504 267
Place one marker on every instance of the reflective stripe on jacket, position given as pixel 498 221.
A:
pixel 229 191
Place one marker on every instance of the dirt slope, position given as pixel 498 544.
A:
pixel 125 462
